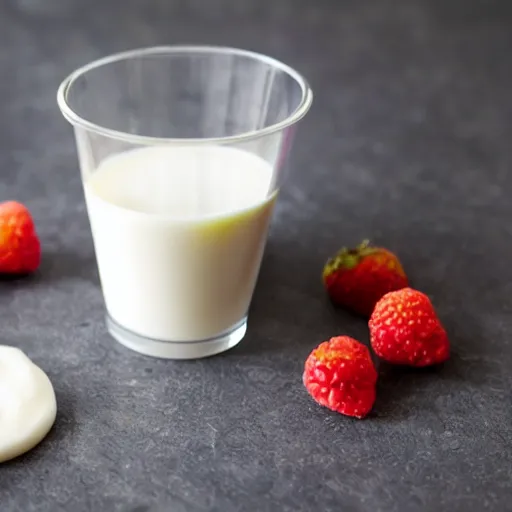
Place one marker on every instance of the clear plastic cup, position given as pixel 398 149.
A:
pixel 182 152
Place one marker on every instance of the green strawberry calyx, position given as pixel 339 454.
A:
pixel 349 258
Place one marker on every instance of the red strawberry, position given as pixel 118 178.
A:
pixel 339 374
pixel 20 249
pixel 404 329
pixel 358 278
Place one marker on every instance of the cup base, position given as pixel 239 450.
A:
pixel 177 349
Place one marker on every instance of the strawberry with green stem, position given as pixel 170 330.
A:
pixel 357 278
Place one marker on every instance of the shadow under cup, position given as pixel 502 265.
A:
pixel 182 152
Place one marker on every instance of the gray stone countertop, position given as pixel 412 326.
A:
pixel 408 142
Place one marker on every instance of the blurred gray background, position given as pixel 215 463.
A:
pixel 408 143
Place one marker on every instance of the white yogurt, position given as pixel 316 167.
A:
pixel 27 403
pixel 179 235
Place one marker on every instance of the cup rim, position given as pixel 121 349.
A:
pixel 78 121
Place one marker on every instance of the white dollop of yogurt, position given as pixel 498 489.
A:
pixel 27 403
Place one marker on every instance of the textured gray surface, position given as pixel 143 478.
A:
pixel 408 143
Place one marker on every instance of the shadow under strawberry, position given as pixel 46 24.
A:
pixel 400 388
pixel 404 392
pixel 59 264
pixel 17 278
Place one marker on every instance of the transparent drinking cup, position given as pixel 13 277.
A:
pixel 182 152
